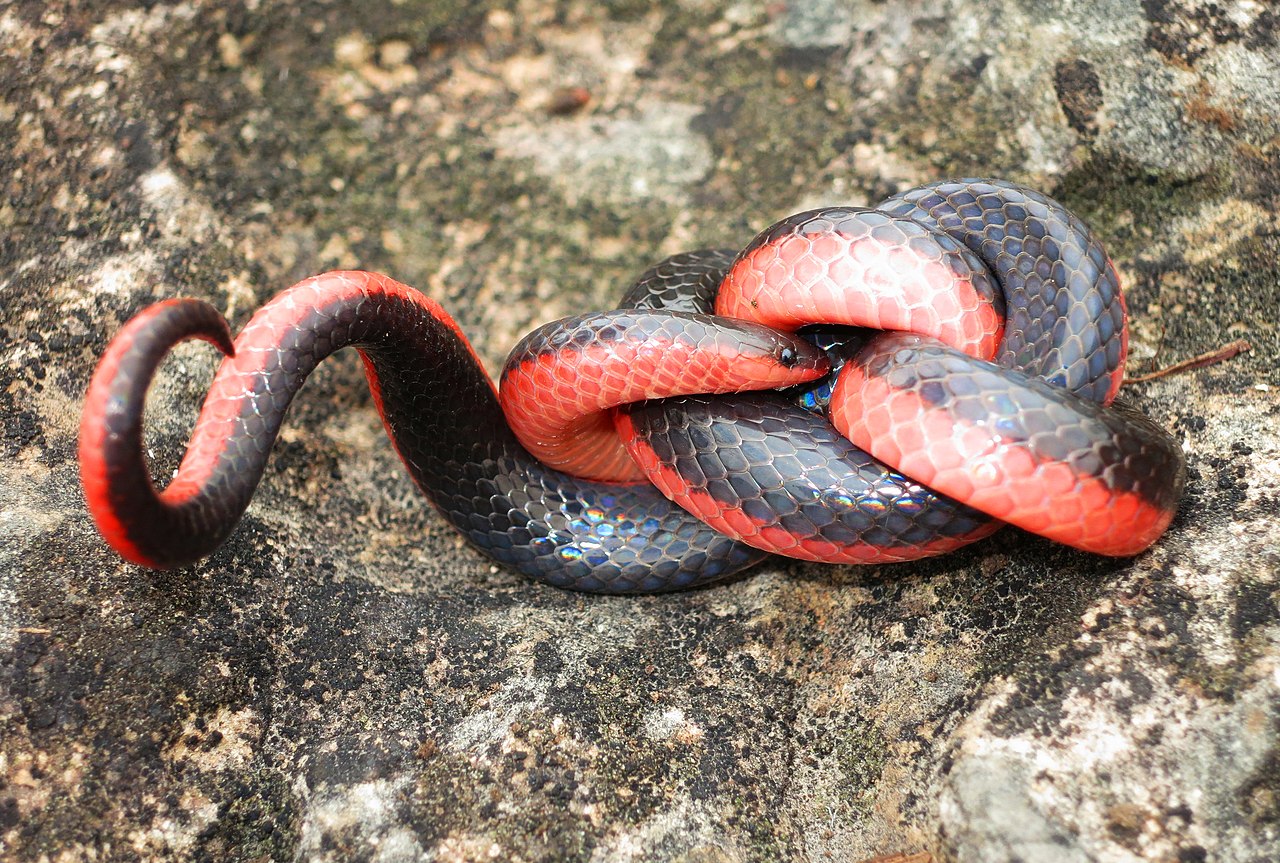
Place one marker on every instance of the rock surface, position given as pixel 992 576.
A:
pixel 345 680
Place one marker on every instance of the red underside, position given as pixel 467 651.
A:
pixel 919 296
pixel 93 433
pixel 999 477
pixel 736 523
pixel 260 337
pixel 220 415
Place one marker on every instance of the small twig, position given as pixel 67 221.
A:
pixel 1225 352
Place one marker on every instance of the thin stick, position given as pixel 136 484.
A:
pixel 1225 352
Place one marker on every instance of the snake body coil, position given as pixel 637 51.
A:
pixel 997 396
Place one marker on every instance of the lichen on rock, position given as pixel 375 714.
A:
pixel 347 680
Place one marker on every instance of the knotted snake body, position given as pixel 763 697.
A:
pixel 622 451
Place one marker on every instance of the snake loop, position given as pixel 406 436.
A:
pixel 649 448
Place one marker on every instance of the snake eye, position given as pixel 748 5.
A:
pixel 787 356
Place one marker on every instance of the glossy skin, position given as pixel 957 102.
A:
pixel 1108 485
pixel 459 450
pixel 770 470
pixel 866 268
pixel 561 380
pixel 1065 315
pixel 1049 461
pixel 755 468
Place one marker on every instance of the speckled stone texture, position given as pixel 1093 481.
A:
pixel 346 680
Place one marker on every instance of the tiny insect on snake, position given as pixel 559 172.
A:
pixel 686 435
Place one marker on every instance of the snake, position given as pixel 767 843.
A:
pixel 856 385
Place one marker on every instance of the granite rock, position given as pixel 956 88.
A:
pixel 345 680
